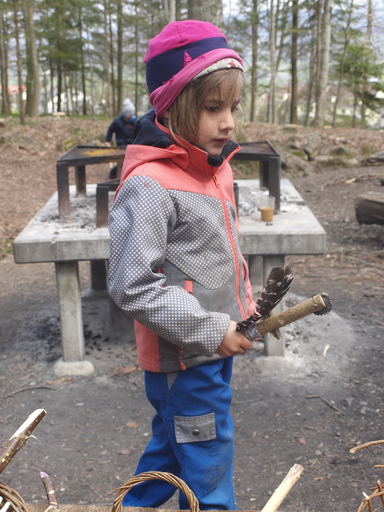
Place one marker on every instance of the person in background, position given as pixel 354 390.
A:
pixel 123 127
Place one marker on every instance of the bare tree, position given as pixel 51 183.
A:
pixel 21 100
pixel 255 36
pixel 342 62
pixel 294 82
pixel 33 76
pixel 321 86
pixel 170 10
pixel 311 78
pixel 369 24
pixel 106 48
pixel 120 98
pixel 5 107
pixel 203 10
pixel 272 114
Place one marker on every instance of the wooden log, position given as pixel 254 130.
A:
pixel 281 492
pixel 369 208
pixel 292 314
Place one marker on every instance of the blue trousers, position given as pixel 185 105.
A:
pixel 192 437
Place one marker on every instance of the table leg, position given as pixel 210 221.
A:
pixel 71 318
pixel 273 346
pixel 63 189
pixel 274 179
pixel 81 184
pixel 99 273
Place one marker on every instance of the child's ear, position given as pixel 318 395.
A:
pixel 166 114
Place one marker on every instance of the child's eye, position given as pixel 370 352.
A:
pixel 234 108
pixel 212 108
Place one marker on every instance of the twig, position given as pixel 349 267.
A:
pixel 365 262
pixel 365 445
pixel 281 492
pixel 28 389
pixel 7 418
pixel 326 402
pixel 50 492
pixel 19 438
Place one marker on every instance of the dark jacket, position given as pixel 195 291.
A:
pixel 123 129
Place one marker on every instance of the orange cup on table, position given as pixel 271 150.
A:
pixel 267 208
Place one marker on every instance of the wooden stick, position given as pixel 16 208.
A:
pixel 19 438
pixel 290 315
pixel 281 492
pixel 365 445
pixel 49 491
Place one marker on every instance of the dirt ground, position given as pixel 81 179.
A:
pixel 324 398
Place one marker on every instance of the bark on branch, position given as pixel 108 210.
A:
pixel 19 438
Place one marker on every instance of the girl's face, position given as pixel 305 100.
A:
pixel 216 124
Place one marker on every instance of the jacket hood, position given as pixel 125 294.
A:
pixel 152 142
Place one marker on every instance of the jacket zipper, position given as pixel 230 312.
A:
pixel 226 216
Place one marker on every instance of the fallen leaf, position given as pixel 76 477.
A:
pixel 131 424
pixel 128 369
pixel 302 440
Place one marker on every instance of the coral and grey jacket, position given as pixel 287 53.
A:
pixel 175 263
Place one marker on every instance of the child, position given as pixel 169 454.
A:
pixel 175 262
pixel 123 127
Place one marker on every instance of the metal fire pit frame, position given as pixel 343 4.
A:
pixel 270 165
pixel 81 156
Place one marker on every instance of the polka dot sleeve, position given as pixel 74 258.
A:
pixel 141 221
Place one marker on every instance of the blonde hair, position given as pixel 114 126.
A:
pixel 184 113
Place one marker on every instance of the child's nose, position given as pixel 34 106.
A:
pixel 227 121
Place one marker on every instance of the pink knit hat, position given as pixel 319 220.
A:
pixel 182 50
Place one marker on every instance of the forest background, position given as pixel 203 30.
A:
pixel 310 62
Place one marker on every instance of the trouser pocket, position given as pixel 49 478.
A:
pixel 197 447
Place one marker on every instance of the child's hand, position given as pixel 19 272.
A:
pixel 233 343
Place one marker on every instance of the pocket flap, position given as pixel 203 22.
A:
pixel 192 429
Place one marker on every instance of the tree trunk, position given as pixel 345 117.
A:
pixel 120 98
pixel 90 59
pixel 283 30
pixel 355 100
pixel 45 87
pixel 33 78
pixel 204 10
pixel 255 36
pixel 324 65
pixel 82 63
pixel 52 75
pixel 272 53
pixel 136 58
pixel 5 110
pixel 369 24
pixel 311 79
pixel 59 85
pixel 342 63
pixel 294 92
pixel 111 54
pixel 20 78
pixel 109 99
